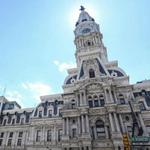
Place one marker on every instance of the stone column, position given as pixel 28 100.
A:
pixel 83 122
pixel 67 127
pixel 81 99
pixel 23 138
pixel 43 135
pixel 111 122
pixel 122 125
pixel 106 132
pixel 142 124
pixel 111 98
pixel 79 125
pixel 5 138
pixel 84 96
pixel 64 124
pixel 31 134
pixel 76 97
pixel 116 122
pixel 15 138
pixel 95 133
pixel 87 124
pixel 115 95
pixel 106 97
pixel 54 134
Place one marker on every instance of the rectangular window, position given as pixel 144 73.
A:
pixel 20 134
pixel 60 113
pixel 49 135
pixel 9 142
pixel 90 104
pixel 74 133
pixel 73 106
pixel 122 101
pixel 19 142
pixel 38 135
pixel 102 102
pixel 1 141
pixel 11 134
pixel 96 103
pixel 59 135
pixel 1 134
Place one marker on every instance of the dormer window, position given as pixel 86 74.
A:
pixel 50 113
pixel 40 114
pixel 4 122
pixel 22 121
pixel 91 73
pixel 13 121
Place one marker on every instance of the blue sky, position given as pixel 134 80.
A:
pixel 36 42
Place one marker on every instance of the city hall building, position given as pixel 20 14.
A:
pixel 98 110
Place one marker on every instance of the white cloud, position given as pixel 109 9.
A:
pixel 63 66
pixel 14 96
pixel 37 89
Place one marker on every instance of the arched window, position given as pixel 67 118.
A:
pixel 91 73
pixel 121 99
pixel 100 129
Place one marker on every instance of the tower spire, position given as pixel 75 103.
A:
pixel 82 8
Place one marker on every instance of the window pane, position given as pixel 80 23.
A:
pixel 49 135
pixel 96 103
pixel 19 142
pixel 90 104
pixel 9 142
pixel 59 135
pixel 38 135
pixel 1 141
pixel 102 102
pixel 2 134
pixel 11 134
pixel 20 134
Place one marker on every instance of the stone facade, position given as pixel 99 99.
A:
pixel 97 109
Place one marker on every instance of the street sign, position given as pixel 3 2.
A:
pixel 137 139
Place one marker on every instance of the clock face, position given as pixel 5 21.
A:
pixel 86 30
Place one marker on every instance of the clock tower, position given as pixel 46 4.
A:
pixel 88 38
